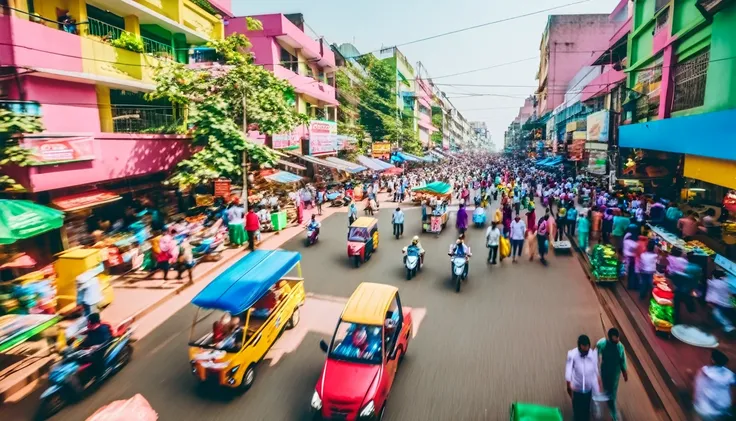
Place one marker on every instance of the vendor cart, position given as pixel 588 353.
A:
pixel 532 412
pixel 439 215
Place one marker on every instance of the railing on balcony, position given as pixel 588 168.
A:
pixel 107 33
pixel 143 119
pixel 690 78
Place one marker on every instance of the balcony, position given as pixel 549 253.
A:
pixel 144 119
pixel 306 85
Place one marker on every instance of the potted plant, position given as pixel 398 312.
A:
pixel 128 41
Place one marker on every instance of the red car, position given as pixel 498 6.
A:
pixel 369 343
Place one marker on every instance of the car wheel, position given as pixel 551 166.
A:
pixel 294 320
pixel 249 377
pixel 380 414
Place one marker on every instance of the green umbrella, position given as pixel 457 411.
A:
pixel 21 219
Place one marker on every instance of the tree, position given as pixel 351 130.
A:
pixel 12 126
pixel 378 109
pixel 216 97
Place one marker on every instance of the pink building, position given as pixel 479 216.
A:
pixel 568 43
pixel 424 109
pixel 284 48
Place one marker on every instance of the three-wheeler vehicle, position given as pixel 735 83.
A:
pixel 240 315
pixel 362 239
pixel 369 342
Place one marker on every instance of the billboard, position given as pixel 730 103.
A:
pixel 285 140
pixel 597 126
pixel 597 162
pixel 322 137
pixel 381 149
pixel 50 151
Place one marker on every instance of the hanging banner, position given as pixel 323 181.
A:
pixel 50 151
pixel 597 162
pixel 285 141
pixel 597 126
pixel 381 149
pixel 322 137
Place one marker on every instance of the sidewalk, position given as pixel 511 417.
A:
pixel 147 301
pixel 665 361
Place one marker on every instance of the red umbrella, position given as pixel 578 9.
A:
pixel 136 408
pixel 394 171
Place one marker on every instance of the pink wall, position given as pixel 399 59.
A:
pixel 34 49
pixel 661 38
pixel 306 85
pixel 118 156
pixel 573 40
pixel 66 106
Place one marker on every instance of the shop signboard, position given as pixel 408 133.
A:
pixel 345 142
pixel 597 126
pixel 576 150
pixel 222 187
pixel 597 162
pixel 85 200
pixel 257 137
pixel 52 151
pixel 322 137
pixel 381 149
pixel 285 140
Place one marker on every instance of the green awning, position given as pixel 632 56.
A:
pixel 21 219
pixel 438 188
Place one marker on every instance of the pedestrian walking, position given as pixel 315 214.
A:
pixel 647 267
pixel 561 223
pixel 352 213
pixel 583 232
pixel 542 233
pixel 320 199
pixel 518 230
pixel 630 255
pixel 185 262
pixel 713 387
pixel 235 221
pixel 252 225
pixel 613 365
pixel 718 296
pixel 397 218
pixel 572 216
pixel 493 236
pixel 581 375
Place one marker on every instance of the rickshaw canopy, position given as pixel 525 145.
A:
pixel 369 303
pixel 245 282
pixel 438 188
pixel 364 222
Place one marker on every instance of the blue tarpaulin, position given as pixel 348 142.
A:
pixel 245 282
pixel 284 177
pixel 351 167
pixel 374 164
pixel 406 157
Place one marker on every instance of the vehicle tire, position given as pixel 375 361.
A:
pixel 408 274
pixel 249 377
pixel 356 261
pixel 458 280
pixel 294 319
pixel 380 414
pixel 51 405
pixel 124 357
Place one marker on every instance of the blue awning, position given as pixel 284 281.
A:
pixel 407 157
pixel 351 167
pixel 383 163
pixel 284 177
pixel 374 164
pixel 245 282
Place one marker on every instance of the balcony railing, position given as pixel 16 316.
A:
pixel 143 119
pixel 107 33
pixel 689 80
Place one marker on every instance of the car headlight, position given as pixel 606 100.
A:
pixel 232 371
pixel 316 401
pixel 368 409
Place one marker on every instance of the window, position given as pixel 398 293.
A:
pixel 392 325
pixel 289 61
pixel 660 4
pixel 689 80
pixel 358 343
pixel 662 20
pixel 331 80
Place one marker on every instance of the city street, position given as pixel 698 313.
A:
pixel 502 339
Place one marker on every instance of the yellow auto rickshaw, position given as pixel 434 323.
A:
pixel 246 309
pixel 362 239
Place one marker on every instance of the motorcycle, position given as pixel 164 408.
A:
pixel 72 376
pixel 458 271
pixel 413 264
pixel 312 236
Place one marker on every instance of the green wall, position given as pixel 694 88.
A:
pixel 720 89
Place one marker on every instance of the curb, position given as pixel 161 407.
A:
pixel 654 393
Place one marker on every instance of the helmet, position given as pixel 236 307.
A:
pixel 415 239
pixel 360 337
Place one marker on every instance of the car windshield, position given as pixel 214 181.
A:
pixel 356 342
pixel 358 234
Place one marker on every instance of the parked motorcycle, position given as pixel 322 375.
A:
pixel 72 376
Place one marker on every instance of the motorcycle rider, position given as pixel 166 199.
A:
pixel 460 249
pixel 414 249
pixel 97 334
pixel 314 225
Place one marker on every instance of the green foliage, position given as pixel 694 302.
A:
pixel 377 105
pixel 436 137
pixel 253 24
pixel 128 41
pixel 12 125
pixel 215 97
pixel 206 6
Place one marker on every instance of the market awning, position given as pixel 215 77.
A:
pixel 291 164
pixel 370 163
pixel 21 219
pixel 384 163
pixel 353 167
pixel 322 162
pixel 411 157
pixel 438 155
pixel 283 177
pixel 85 200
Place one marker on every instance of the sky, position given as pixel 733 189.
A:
pixel 374 24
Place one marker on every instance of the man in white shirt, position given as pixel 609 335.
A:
pixel 518 229
pixel 713 384
pixel 493 236
pixel 398 220
pixel 581 375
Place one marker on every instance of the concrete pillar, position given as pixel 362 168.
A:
pixel 19 8
pixel 181 51
pixel 174 9
pixel 218 29
pixel 105 108
pixel 666 88
pixel 132 25
pixel 720 91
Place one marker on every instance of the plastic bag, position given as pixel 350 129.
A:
pixel 504 247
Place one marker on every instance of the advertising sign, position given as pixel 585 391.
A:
pixel 345 142
pixel 380 149
pixel 597 126
pixel 222 188
pixel 322 137
pixel 285 141
pixel 576 150
pixel 85 200
pixel 597 162
pixel 50 151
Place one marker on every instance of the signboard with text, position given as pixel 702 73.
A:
pixel 597 162
pixel 597 126
pixel 285 140
pixel 322 137
pixel 222 188
pixel 52 151
pixel 575 151
pixel 380 149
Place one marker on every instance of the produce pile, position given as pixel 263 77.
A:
pixel 34 293
pixel 660 307
pixel 700 248
pixel 604 263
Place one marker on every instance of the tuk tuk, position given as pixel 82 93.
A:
pixel 362 239
pixel 246 308
pixel 369 343
pixel 437 218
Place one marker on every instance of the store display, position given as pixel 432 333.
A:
pixel 34 293
pixel 661 310
pixel 604 263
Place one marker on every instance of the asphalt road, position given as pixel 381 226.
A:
pixel 502 339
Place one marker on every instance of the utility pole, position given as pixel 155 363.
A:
pixel 245 156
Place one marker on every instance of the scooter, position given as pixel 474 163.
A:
pixel 458 271
pixel 312 236
pixel 72 376
pixel 413 264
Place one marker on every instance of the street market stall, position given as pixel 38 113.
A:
pixel 18 328
pixel 438 196
pixel 604 263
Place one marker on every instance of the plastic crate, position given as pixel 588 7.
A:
pixel 532 412
pixel 278 219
